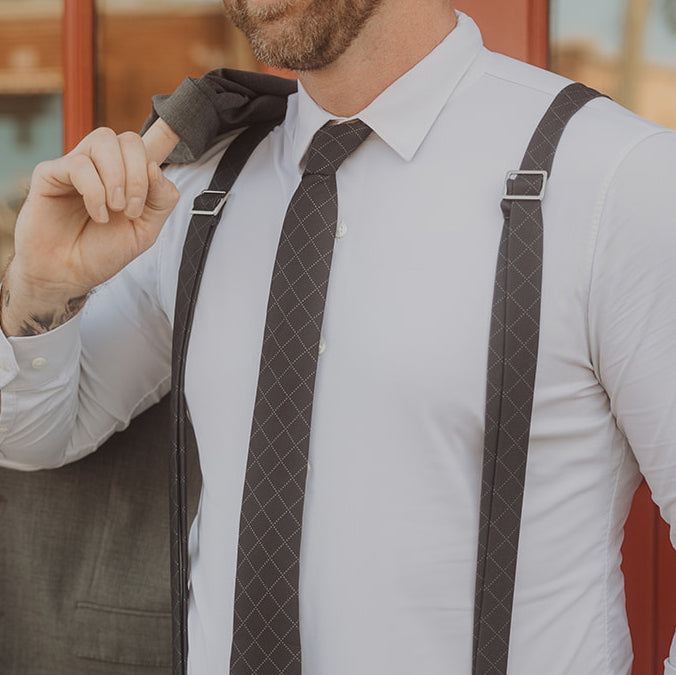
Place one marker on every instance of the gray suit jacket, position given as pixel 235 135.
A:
pixel 84 560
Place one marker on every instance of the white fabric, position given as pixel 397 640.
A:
pixel 390 529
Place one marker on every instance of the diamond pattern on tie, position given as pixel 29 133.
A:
pixel 266 633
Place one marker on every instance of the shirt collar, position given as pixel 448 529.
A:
pixel 421 92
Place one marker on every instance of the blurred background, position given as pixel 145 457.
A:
pixel 626 48
pixel 69 65
pixel 137 48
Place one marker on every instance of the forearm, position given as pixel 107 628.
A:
pixel 66 391
pixel 40 381
pixel 87 217
pixel 29 309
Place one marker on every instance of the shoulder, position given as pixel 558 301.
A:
pixel 526 90
pixel 511 97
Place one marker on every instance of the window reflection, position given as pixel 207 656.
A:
pixel 625 48
pixel 145 47
pixel 31 83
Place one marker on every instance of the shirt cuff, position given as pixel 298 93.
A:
pixel 30 362
pixel 669 668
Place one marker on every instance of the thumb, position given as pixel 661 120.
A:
pixel 162 194
pixel 160 140
pixel 160 201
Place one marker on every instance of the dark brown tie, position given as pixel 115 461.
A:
pixel 266 632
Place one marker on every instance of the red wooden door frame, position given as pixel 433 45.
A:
pixel 650 570
pixel 78 70
pixel 519 28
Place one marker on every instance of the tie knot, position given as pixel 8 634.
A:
pixel 332 145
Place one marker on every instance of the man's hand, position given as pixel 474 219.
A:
pixel 87 215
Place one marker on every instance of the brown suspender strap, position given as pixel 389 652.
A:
pixel 512 361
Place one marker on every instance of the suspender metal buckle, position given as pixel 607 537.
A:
pixel 219 205
pixel 513 175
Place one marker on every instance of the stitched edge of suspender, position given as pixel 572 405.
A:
pixel 198 239
pixel 521 203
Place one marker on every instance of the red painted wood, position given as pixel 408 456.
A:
pixel 640 571
pixel 518 28
pixel 78 70
pixel 280 72
pixel 665 592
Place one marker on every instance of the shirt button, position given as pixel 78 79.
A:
pixel 322 347
pixel 341 230
pixel 39 362
pixel 4 366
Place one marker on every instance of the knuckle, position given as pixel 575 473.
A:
pixel 79 162
pixel 129 137
pixel 104 133
pixel 137 184
pixel 42 169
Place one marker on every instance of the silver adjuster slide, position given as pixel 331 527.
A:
pixel 511 175
pixel 217 209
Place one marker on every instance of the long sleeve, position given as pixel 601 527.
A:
pixel 67 391
pixel 632 314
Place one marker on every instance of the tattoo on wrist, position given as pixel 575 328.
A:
pixel 37 324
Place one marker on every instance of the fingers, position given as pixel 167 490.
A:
pixel 103 148
pixel 160 140
pixel 84 177
pixel 72 173
pixel 161 199
pixel 162 195
pixel 136 173
pixel 109 171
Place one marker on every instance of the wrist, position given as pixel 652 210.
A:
pixel 31 307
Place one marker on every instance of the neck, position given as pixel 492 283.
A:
pixel 396 37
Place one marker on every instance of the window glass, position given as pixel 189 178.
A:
pixel 31 84
pixel 625 48
pixel 146 47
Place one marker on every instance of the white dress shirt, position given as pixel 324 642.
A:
pixel 391 513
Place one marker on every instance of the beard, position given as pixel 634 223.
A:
pixel 301 35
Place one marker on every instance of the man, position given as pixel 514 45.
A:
pixel 390 519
